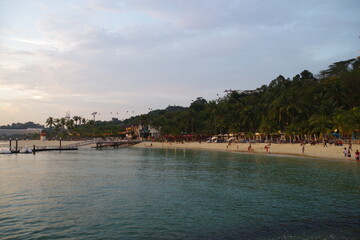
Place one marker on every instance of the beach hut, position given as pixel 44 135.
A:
pixel 43 135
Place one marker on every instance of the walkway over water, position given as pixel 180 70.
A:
pixel 98 143
pixel 104 143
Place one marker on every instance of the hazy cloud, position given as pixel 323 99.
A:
pixel 113 56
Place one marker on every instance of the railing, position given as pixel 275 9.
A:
pixel 84 143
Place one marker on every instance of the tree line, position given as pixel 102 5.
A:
pixel 323 104
pixel 22 125
pixel 306 104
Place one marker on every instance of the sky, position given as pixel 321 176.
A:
pixel 121 58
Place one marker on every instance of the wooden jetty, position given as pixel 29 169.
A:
pixel 99 144
pixel 115 144
pixel 35 149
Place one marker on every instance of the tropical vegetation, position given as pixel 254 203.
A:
pixel 321 105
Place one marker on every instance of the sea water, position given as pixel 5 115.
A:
pixel 176 194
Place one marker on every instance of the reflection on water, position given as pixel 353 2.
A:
pixel 176 194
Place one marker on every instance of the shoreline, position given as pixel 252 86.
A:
pixel 284 149
pixel 330 152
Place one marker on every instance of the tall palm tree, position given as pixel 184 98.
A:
pixel 294 106
pixel 321 124
pixel 62 122
pixel 248 118
pixel 354 119
pixel 278 110
pixel 341 122
pixel 267 127
pixel 50 122
pixel 83 120
pixel 69 124
pixel 76 119
pixel 212 112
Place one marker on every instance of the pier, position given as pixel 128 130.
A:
pixel 115 144
pixel 94 143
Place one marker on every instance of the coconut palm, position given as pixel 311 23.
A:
pixel 83 120
pixel 76 119
pixel 267 127
pixel 354 119
pixel 321 124
pixel 50 122
pixel 70 124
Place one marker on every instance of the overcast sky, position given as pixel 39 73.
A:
pixel 125 56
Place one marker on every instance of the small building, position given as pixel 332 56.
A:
pixel 141 131
pixel 42 135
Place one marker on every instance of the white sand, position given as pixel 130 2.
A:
pixel 315 151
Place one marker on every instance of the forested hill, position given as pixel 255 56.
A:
pixel 22 126
pixel 305 104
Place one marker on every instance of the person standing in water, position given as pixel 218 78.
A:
pixel 357 157
pixel 345 152
pixel 303 147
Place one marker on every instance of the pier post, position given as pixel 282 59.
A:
pixel 34 149
pixel 10 144
pixel 16 145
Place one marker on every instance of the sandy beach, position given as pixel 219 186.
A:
pixel 315 151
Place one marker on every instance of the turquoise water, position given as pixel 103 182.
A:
pixel 176 194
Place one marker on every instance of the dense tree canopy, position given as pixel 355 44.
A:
pixel 306 104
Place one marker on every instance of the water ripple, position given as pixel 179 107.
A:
pixel 168 194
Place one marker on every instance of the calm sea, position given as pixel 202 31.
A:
pixel 176 194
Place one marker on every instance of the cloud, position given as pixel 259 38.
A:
pixel 84 56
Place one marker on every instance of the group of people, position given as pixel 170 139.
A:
pixel 347 153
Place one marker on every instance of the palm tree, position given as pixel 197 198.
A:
pixel 76 119
pixel 341 122
pixel 354 119
pixel 248 118
pixel 83 120
pixel 70 124
pixel 294 106
pixel 278 110
pixel 62 122
pixel 267 127
pixel 50 122
pixel 212 112
pixel 321 124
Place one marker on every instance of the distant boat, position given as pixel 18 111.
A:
pixel 5 151
pixel 26 150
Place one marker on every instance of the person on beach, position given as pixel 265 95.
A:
pixel 303 148
pixel 345 151
pixel 349 153
pixel 267 148
pixel 357 157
